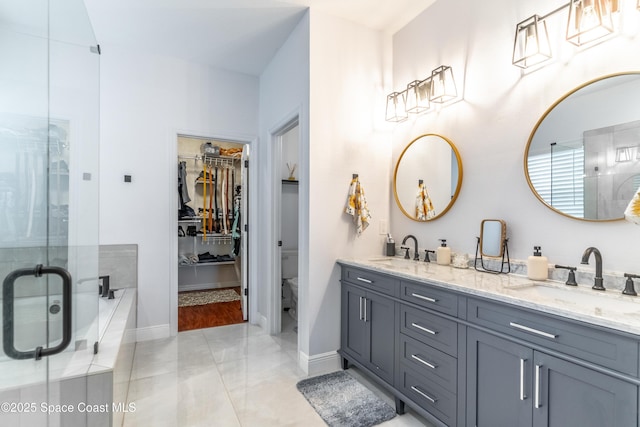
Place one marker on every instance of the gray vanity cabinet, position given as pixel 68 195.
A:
pixel 368 330
pixel 572 395
pixel 498 382
pixel 511 383
pixel 464 360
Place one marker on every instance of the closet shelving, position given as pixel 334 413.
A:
pixel 200 242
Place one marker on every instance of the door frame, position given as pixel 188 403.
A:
pixel 275 292
pixel 172 154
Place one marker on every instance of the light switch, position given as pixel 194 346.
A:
pixel 382 226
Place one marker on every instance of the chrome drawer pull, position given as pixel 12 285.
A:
pixel 424 362
pixel 423 394
pixel 362 279
pixel 423 297
pixel 422 328
pixel 533 331
pixel 522 395
pixel 537 402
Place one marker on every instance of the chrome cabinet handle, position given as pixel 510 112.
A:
pixel 8 320
pixel 532 330
pixel 522 395
pixel 537 402
pixel 423 297
pixel 365 309
pixel 424 362
pixel 423 394
pixel 422 328
pixel 360 307
pixel 362 279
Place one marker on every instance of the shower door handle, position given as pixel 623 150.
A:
pixel 8 314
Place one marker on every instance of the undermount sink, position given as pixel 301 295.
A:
pixel 582 297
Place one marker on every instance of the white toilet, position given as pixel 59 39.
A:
pixel 289 270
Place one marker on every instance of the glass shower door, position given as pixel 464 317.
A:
pixel 48 211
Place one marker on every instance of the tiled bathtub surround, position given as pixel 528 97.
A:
pixel 120 262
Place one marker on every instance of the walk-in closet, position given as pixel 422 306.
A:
pixel 212 193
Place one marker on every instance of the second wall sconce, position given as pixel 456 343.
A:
pixel 588 20
pixel 440 87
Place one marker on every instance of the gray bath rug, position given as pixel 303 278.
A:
pixel 187 299
pixel 342 401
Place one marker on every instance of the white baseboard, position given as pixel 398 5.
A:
pixel 153 333
pixel 320 363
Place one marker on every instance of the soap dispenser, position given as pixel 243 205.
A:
pixel 443 253
pixel 537 265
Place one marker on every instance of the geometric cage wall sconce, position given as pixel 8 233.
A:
pixel 439 88
pixel 588 20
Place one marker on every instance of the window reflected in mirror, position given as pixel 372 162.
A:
pixel 582 159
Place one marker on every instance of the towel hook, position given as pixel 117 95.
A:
pixel 354 176
pixel 420 182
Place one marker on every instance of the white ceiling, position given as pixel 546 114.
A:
pixel 237 35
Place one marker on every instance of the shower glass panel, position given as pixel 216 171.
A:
pixel 49 118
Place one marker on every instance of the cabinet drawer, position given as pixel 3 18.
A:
pixel 430 329
pixel 367 279
pixel 427 296
pixel 580 340
pixel 429 396
pixel 434 365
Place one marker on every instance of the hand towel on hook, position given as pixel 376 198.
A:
pixel 357 206
pixel 424 206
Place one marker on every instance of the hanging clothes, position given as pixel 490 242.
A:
pixel 357 206
pixel 204 201
pixel 183 190
pixel 424 206
pixel 225 230
pixel 211 184
pixel 235 230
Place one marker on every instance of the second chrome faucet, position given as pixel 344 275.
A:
pixel 597 281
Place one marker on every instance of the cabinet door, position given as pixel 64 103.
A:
pixel 380 317
pixel 354 329
pixel 498 382
pixel 573 396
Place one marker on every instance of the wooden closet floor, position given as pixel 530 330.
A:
pixel 209 315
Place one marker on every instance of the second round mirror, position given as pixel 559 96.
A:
pixel 427 177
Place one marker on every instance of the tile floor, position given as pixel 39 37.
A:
pixel 226 376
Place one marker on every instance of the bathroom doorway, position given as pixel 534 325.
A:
pixel 286 169
pixel 289 169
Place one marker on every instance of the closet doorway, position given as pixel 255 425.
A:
pixel 212 243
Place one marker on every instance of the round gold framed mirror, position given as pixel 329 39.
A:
pixel 427 177
pixel 582 159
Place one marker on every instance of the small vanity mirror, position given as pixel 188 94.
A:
pixel 492 243
pixel 583 158
pixel 427 177
pixel 493 233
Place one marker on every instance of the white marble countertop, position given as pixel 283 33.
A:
pixel 608 308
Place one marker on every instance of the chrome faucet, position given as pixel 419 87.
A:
pixel 416 255
pixel 597 281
